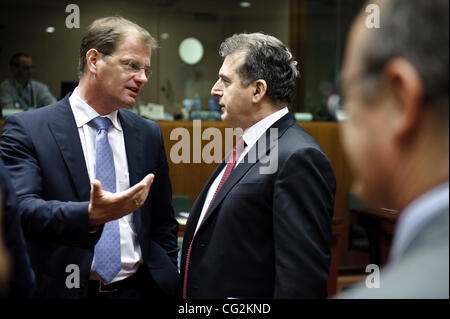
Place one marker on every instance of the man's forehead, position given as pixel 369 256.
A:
pixel 25 60
pixel 232 62
pixel 134 49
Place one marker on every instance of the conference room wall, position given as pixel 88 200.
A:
pixel 55 55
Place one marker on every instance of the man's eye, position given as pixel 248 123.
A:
pixel 134 66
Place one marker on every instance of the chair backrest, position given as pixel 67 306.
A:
pixel 181 203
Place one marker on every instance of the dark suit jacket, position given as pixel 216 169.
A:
pixel 22 279
pixel 266 235
pixel 43 153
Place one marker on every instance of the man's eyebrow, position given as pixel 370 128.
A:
pixel 135 61
pixel 224 77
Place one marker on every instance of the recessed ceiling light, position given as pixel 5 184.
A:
pixel 245 4
pixel 50 29
pixel 164 36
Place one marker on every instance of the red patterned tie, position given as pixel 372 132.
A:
pixel 237 150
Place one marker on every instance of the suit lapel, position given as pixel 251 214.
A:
pixel 65 132
pixel 133 143
pixel 262 148
pixel 133 147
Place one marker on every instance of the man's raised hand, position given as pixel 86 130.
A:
pixel 105 206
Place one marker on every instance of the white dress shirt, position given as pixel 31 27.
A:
pixel 250 136
pixel 416 214
pixel 130 250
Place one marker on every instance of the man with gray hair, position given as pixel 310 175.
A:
pixel 397 139
pixel 254 233
pixel 118 238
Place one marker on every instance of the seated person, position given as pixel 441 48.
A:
pixel 21 92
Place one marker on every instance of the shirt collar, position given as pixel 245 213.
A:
pixel 417 213
pixel 20 86
pixel 253 133
pixel 84 113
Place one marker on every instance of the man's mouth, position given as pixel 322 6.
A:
pixel 135 90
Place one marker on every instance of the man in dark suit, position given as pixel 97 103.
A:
pixel 261 227
pixel 110 241
pixel 14 260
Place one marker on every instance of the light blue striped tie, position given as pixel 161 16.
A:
pixel 107 251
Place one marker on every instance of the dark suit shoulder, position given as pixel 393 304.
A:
pixel 295 138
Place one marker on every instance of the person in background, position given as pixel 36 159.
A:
pixel 118 238
pixel 397 139
pixel 21 91
pixel 261 227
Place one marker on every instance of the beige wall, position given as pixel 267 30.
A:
pixel 185 81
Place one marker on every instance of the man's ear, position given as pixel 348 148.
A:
pixel 259 90
pixel 92 57
pixel 407 91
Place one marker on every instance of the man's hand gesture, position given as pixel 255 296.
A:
pixel 105 206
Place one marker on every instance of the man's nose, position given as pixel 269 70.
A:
pixel 141 77
pixel 216 90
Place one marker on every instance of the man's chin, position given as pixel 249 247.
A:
pixel 226 119
pixel 128 104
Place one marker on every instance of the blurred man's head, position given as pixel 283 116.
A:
pixel 395 82
pixel 115 60
pixel 257 68
pixel 21 67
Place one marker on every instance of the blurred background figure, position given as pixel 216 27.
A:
pixel 16 275
pixel 4 257
pixel 397 139
pixel 21 91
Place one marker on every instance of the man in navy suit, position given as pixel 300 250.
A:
pixel 53 159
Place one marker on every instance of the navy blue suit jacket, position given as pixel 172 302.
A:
pixel 42 151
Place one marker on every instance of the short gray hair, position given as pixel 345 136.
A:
pixel 266 58
pixel 417 31
pixel 105 34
